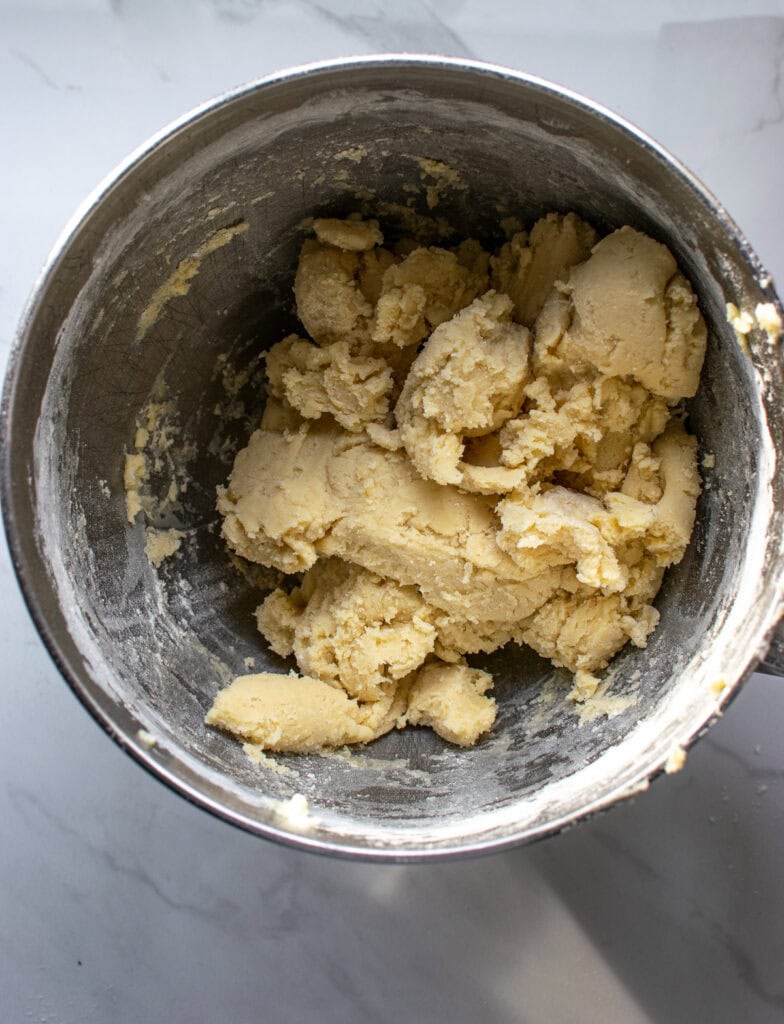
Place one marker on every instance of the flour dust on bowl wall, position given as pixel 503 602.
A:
pixel 141 374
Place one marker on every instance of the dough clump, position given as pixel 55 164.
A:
pixel 464 450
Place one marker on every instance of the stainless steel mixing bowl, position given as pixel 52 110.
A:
pixel 146 651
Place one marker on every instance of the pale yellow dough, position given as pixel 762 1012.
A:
pixel 451 699
pixel 299 713
pixel 466 382
pixel 350 627
pixel 350 384
pixel 625 312
pixel 465 450
pixel 161 544
pixel 528 266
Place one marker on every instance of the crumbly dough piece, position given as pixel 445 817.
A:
pixel 300 714
pixel 583 629
pixel 451 700
pixel 351 385
pixel 352 234
pixel 493 505
pixel 336 290
pixel 335 494
pixel 161 544
pixel 587 429
pixel 134 476
pixel 613 554
pixel 625 312
pixel 528 266
pixel 619 547
pixel 350 628
pixel 769 320
pixel 564 526
pixel 426 289
pixel 467 381
pixel 275 518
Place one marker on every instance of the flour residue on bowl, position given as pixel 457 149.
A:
pixel 602 703
pixel 179 281
pixel 156 476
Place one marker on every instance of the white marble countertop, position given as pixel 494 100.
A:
pixel 120 902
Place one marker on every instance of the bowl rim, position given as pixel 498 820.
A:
pixel 131 743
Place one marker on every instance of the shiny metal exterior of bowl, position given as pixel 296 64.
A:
pixel 147 650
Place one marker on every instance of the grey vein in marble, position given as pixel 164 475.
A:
pixel 34 66
pixel 415 27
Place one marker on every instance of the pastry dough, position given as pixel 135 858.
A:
pixel 456 460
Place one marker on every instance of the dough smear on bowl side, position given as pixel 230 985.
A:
pixel 462 449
